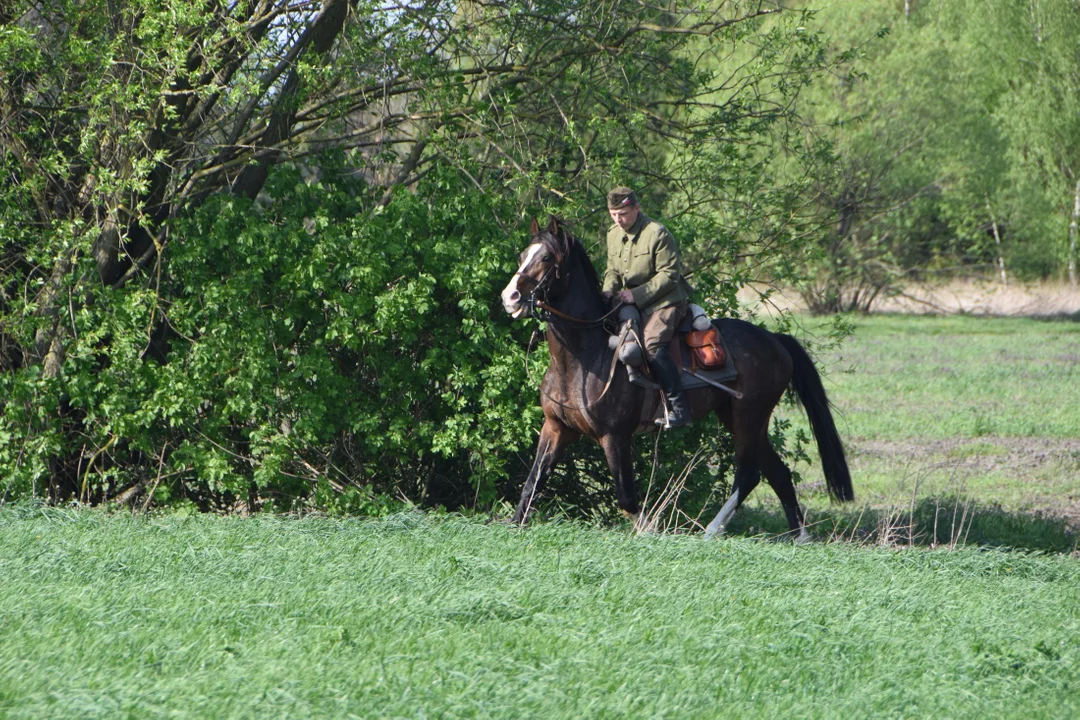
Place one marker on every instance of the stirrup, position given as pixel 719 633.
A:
pixel 665 422
pixel 637 377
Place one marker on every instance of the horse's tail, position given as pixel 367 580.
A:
pixel 807 384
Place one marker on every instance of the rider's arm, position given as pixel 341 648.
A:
pixel 612 280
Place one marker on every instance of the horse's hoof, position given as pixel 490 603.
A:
pixel 803 538
pixel 638 522
pixel 711 532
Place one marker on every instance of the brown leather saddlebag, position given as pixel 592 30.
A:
pixel 705 349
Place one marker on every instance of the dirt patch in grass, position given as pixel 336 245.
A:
pixel 990 453
pixel 986 298
pixel 972 297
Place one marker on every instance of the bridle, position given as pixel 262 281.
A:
pixel 535 300
pixel 538 299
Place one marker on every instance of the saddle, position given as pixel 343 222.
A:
pixel 698 349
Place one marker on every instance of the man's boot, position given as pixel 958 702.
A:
pixel 667 376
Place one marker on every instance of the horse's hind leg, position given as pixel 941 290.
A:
pixel 747 428
pixel 779 476
pixel 746 477
pixel 554 437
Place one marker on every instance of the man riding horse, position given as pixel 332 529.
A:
pixel 644 269
pixel 583 395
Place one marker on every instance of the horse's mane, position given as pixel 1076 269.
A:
pixel 578 249
pixel 567 245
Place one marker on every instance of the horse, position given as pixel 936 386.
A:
pixel 582 394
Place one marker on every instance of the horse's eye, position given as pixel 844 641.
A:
pixel 547 258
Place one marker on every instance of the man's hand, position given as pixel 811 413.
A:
pixel 626 296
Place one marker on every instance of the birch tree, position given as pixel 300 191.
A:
pixel 1035 61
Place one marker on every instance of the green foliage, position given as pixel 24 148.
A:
pixel 315 337
pixel 955 146
pixel 250 253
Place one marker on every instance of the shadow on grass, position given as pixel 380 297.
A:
pixel 1058 317
pixel 932 522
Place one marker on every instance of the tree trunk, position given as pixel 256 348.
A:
pixel 997 242
pixel 1072 234
pixel 320 37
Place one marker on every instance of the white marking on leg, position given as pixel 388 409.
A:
pixel 511 296
pixel 719 523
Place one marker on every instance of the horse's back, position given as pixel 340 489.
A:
pixel 757 353
pixel 747 334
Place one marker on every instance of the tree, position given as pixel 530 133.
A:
pixel 947 135
pixel 1035 63
pixel 250 248
pixel 885 122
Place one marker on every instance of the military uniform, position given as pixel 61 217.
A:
pixel 645 260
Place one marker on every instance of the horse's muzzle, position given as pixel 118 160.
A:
pixel 511 300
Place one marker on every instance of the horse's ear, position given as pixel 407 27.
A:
pixel 534 228
pixel 553 225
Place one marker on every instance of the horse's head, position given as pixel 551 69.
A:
pixel 543 271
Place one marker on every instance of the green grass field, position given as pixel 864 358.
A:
pixel 945 378
pixel 961 433
pixel 413 616
pixel 932 409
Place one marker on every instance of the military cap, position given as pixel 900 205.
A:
pixel 621 197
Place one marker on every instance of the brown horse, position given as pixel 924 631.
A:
pixel 580 395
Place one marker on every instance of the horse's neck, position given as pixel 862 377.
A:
pixel 578 345
pixel 582 347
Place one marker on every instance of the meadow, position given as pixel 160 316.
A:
pixel 106 614
pixel 420 616
pixel 943 413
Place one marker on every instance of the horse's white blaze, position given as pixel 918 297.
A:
pixel 511 296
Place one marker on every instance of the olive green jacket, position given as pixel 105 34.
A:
pixel 645 260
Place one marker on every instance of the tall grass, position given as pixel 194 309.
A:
pixel 417 616
pixel 119 616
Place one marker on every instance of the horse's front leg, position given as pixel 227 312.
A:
pixel 554 437
pixel 621 463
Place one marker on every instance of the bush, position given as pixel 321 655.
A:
pixel 312 342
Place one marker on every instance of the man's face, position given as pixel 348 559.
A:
pixel 624 217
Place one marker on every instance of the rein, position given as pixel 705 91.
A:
pixel 536 302
pixel 570 318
